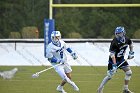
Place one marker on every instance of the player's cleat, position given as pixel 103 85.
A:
pixel 127 91
pixel 100 90
pixel 60 89
pixel 74 86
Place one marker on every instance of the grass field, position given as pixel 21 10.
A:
pixel 87 78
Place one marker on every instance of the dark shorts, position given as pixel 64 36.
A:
pixel 125 64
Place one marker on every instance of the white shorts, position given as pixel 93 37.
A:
pixel 63 69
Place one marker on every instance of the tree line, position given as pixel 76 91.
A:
pixel 18 16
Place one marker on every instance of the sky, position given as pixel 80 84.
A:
pixel 32 54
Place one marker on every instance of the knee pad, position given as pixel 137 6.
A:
pixel 128 75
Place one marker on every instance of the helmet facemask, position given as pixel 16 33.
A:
pixel 56 36
pixel 120 34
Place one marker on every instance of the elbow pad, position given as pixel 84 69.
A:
pixel 112 54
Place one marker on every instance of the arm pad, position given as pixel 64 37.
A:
pixel 53 60
pixel 69 50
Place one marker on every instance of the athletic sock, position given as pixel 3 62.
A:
pixel 125 87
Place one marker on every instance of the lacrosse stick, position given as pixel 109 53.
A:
pixel 37 73
pixel 122 63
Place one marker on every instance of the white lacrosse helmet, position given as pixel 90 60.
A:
pixel 55 36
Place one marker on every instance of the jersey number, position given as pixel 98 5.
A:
pixel 121 53
pixel 61 54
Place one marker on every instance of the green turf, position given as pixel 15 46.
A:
pixel 87 78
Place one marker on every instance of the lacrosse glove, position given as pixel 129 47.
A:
pixel 131 55
pixel 61 61
pixel 74 56
pixel 114 68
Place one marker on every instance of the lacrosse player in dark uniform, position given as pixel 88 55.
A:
pixel 117 51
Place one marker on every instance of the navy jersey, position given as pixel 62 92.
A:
pixel 119 49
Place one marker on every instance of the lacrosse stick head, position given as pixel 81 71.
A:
pixel 36 75
pixel 8 74
pixel 15 70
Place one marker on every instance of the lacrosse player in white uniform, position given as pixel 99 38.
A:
pixel 56 54
pixel 117 51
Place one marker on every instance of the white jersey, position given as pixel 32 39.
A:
pixel 57 51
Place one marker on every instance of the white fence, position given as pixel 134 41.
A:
pixel 30 52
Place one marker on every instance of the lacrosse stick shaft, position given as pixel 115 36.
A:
pixel 47 69
pixel 44 70
pixel 122 63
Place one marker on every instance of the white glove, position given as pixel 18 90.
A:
pixel 131 55
pixel 61 61
pixel 74 56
